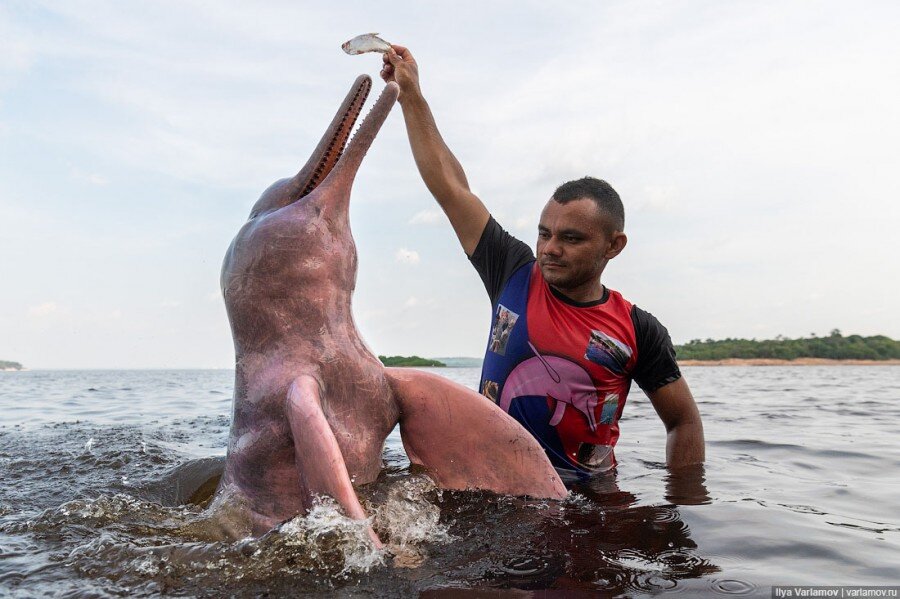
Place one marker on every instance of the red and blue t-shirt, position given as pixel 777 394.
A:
pixel 562 368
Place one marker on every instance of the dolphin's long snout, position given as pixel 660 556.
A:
pixel 343 173
pixel 330 147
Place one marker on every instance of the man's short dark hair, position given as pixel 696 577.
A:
pixel 606 198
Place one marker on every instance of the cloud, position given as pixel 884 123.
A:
pixel 405 256
pixel 44 310
pixel 426 217
pixel 92 178
pixel 657 198
pixel 411 302
pixel 16 46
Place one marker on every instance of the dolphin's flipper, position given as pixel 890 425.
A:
pixel 465 441
pixel 319 459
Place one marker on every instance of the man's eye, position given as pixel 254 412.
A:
pixel 571 239
pixel 543 234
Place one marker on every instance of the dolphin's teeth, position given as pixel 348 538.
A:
pixel 337 144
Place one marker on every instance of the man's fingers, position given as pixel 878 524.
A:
pixel 399 53
pixel 387 72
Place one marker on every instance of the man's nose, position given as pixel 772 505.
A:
pixel 552 247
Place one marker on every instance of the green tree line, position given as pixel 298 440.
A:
pixel 408 361
pixel 835 347
pixel 6 365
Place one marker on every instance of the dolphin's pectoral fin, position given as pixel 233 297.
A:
pixel 465 441
pixel 319 460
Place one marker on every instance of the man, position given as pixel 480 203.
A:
pixel 563 349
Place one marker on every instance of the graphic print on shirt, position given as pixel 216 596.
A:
pixel 556 378
pixel 608 352
pixel 506 320
pixel 610 407
pixel 489 389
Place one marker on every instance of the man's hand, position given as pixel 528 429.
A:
pixel 678 411
pixel 401 67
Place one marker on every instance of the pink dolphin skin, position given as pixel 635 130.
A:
pixel 312 404
pixel 558 378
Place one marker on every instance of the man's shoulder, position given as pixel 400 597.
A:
pixel 645 318
pixel 495 238
pixel 616 297
pixel 497 256
pixel 656 363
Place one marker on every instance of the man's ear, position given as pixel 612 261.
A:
pixel 616 245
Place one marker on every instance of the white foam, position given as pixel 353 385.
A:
pixel 325 529
pixel 407 517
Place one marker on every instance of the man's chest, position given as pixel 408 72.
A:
pixel 600 339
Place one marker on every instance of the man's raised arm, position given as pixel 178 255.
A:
pixel 441 171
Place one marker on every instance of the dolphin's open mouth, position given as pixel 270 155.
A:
pixel 335 138
pixel 336 159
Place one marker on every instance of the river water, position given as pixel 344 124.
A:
pixel 800 487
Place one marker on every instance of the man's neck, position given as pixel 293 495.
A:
pixel 591 293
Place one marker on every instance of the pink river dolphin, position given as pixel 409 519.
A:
pixel 312 403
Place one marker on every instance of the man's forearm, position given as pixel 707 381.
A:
pixel 685 444
pixel 439 168
pixel 442 173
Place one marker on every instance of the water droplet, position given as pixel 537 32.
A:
pixel 526 565
pixel 733 587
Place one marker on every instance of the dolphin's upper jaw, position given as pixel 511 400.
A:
pixel 333 142
pixel 323 158
pixel 332 166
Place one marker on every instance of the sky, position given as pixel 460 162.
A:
pixel 756 146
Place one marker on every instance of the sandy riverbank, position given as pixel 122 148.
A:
pixel 797 362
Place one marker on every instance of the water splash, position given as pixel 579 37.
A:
pixel 406 519
pixel 327 537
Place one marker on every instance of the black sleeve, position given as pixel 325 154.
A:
pixel 497 256
pixel 656 365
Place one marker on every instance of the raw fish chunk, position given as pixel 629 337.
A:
pixel 367 42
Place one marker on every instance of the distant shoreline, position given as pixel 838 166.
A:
pixel 795 362
pixel 698 363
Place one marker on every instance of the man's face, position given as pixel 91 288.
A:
pixel 573 245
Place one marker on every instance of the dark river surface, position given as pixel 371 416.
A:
pixel 801 487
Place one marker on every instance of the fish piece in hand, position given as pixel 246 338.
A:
pixel 367 42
